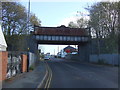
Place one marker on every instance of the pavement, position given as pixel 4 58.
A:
pixel 28 79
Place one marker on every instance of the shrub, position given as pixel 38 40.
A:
pixel 31 68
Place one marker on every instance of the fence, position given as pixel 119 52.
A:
pixel 32 58
pixel 17 63
pixel 13 63
pixel 112 59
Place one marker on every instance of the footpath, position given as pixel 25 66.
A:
pixel 27 80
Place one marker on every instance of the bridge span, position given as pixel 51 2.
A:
pixel 64 36
pixel 60 35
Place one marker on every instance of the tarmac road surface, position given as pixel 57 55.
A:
pixel 70 74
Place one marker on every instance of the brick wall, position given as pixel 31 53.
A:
pixel 60 31
pixel 3 65
pixel 24 63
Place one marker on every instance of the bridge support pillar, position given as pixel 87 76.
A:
pixel 32 44
pixel 84 52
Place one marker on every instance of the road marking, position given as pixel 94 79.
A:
pixel 50 78
pixel 48 83
pixel 42 82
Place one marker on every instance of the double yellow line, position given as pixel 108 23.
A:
pixel 46 82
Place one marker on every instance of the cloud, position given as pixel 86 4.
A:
pixel 74 18
pixel 66 21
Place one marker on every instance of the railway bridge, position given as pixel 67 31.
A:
pixel 64 36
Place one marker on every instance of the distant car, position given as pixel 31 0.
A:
pixel 46 58
pixel 74 52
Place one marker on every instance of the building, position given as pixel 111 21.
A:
pixel 69 49
pixel 63 54
pixel 3 44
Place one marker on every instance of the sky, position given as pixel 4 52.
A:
pixel 53 14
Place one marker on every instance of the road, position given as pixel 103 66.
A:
pixel 70 74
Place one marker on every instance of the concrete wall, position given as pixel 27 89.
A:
pixel 107 58
pixel 32 59
pixel 84 52
pixel 32 44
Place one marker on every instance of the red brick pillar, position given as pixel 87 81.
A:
pixel 24 63
pixel 3 65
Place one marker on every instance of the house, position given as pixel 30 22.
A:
pixel 69 49
pixel 3 44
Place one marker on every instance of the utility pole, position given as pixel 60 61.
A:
pixel 1 14
pixel 54 52
pixel 58 49
pixel 28 16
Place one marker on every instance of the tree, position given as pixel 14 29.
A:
pixel 104 23
pixel 14 17
pixel 119 27
pixel 15 25
pixel 72 25
pixel 82 22
pixel 104 18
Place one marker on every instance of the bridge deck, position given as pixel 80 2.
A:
pixel 65 31
pixel 60 35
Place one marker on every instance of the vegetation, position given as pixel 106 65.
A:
pixel 82 22
pixel 16 26
pixel 15 19
pixel 31 68
pixel 119 26
pixel 104 25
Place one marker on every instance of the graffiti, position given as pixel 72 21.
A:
pixel 14 66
